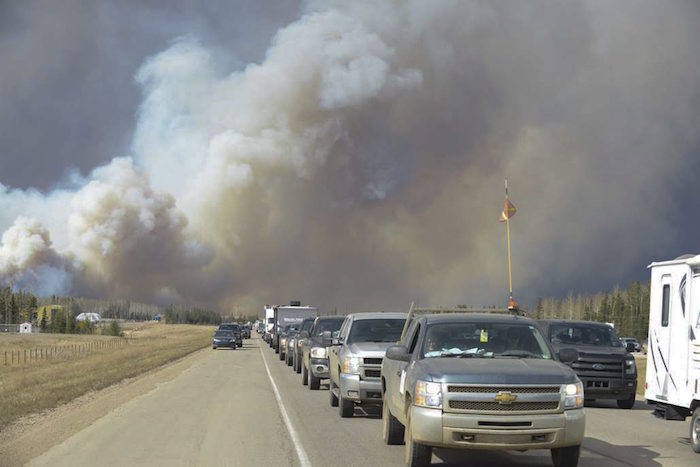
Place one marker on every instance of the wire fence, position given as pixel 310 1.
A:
pixel 31 356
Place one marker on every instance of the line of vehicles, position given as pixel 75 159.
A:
pixel 494 379
pixel 459 378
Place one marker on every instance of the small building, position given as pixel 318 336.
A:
pixel 91 317
pixel 47 313
pixel 25 328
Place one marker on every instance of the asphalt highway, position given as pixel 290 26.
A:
pixel 245 407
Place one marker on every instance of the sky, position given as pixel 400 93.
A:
pixel 350 155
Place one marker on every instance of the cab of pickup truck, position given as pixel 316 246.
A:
pixel 480 381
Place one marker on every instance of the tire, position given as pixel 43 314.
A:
pixel 695 430
pixel 213 347
pixel 332 397
pixel 346 408
pixel 392 429
pixel 304 374
pixel 290 360
pixel 627 403
pixel 281 355
pixel 314 382
pixel 566 457
pixel 297 363
pixel 417 455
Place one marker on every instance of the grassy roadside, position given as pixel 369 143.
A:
pixel 641 372
pixel 44 385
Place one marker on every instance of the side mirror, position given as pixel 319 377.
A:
pixel 568 355
pixel 304 334
pixel 337 341
pixel 335 334
pixel 326 335
pixel 398 352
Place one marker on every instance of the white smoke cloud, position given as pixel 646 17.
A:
pixel 29 261
pixel 361 162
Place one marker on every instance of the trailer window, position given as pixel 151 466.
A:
pixel 664 305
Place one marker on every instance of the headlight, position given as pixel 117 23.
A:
pixel 318 352
pixel 630 367
pixel 428 394
pixel 351 365
pixel 283 341
pixel 573 396
pixel 299 343
pixel 291 344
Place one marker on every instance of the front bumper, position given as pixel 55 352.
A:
pixel 363 391
pixel 608 388
pixel 319 367
pixel 224 344
pixel 432 427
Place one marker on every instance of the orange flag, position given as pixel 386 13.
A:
pixel 508 210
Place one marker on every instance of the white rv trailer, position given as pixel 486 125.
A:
pixel 673 359
pixel 269 318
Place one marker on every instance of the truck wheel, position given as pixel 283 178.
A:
pixel 626 403
pixel 695 430
pixel 333 398
pixel 416 454
pixel 566 457
pixel 304 374
pixel 289 359
pixel 281 356
pixel 314 382
pixel 346 408
pixel 392 429
pixel 297 364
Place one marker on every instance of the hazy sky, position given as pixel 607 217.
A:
pixel 348 154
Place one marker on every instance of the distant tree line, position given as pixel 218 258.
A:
pixel 627 309
pixel 108 309
pixel 178 315
pixel 16 307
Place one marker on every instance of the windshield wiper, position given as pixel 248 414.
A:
pixel 519 354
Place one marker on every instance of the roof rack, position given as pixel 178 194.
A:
pixel 440 310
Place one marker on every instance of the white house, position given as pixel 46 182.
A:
pixel 25 328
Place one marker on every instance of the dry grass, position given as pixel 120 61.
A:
pixel 46 384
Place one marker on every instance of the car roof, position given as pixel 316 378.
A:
pixel 472 317
pixel 377 315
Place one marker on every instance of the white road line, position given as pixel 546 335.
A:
pixel 301 453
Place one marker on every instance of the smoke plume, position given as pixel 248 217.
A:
pixel 360 163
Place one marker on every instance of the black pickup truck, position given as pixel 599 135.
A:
pixel 604 366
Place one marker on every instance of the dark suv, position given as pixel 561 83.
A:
pixel 604 366
pixel 236 329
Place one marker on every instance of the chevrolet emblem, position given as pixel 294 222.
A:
pixel 505 397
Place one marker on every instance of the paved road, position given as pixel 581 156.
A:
pixel 223 411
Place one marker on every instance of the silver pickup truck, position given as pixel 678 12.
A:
pixel 480 381
pixel 355 358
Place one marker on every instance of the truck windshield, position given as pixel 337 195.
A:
pixel 376 330
pixel 583 334
pixel 494 340
pixel 328 325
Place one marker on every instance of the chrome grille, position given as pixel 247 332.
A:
pixel 495 406
pixel 372 361
pixel 373 373
pixel 496 389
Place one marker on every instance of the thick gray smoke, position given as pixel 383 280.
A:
pixel 360 164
